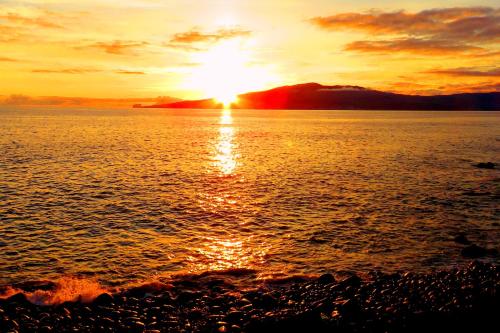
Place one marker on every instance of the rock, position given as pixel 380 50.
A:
pixel 18 298
pixel 268 300
pixel 247 307
pixel 485 165
pixel 326 279
pixel 195 314
pixel 353 281
pixel 461 239
pixel 474 251
pixel 186 296
pixel 317 240
pixel 46 329
pixel 137 326
pixel 103 299
pixel 234 316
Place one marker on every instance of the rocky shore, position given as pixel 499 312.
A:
pixel 457 300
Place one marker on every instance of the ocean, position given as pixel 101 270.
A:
pixel 125 196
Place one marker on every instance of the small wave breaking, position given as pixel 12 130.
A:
pixel 65 289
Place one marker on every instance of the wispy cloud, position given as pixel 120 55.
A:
pixel 38 21
pixel 466 71
pixel 10 34
pixel 196 36
pixel 487 86
pixel 473 23
pixel 7 59
pixel 65 70
pixel 196 40
pixel 129 72
pixel 411 45
pixel 19 100
pixel 409 86
pixel 118 47
pixel 455 29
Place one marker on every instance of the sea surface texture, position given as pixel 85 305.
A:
pixel 129 195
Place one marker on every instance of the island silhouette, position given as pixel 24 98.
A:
pixel 314 96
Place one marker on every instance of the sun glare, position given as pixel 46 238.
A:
pixel 227 70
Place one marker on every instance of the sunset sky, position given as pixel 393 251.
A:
pixel 196 48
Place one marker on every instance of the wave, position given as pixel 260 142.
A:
pixel 85 290
pixel 65 289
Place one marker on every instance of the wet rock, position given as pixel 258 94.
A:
pixel 246 308
pixel 326 279
pixel 461 239
pixel 317 240
pixel 46 329
pixel 353 281
pixel 19 299
pixel 137 326
pixel 195 314
pixel 485 165
pixel 268 300
pixel 234 316
pixel 475 251
pixel 410 302
pixel 187 296
pixel 104 299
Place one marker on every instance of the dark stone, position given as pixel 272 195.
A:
pixel 234 316
pixel 326 279
pixel 195 314
pixel 137 326
pixel 461 239
pixel 18 298
pixel 353 281
pixel 485 165
pixel 268 301
pixel 474 251
pixel 186 296
pixel 317 240
pixel 103 299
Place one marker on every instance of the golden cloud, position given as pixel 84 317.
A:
pixel 433 32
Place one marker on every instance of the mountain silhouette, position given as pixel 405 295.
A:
pixel 314 96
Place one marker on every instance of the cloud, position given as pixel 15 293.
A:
pixel 465 71
pixel 16 100
pixel 23 100
pixel 10 34
pixel 195 36
pixel 450 30
pixel 411 45
pixel 117 47
pixel 7 59
pixel 195 40
pixel 486 54
pixel 129 72
pixel 26 20
pixel 410 86
pixel 184 47
pixel 83 71
pixel 65 71
pixel 469 23
pixel 487 86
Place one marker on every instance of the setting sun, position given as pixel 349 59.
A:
pixel 249 166
pixel 226 70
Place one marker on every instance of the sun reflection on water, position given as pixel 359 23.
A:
pixel 225 246
pixel 225 158
pixel 218 253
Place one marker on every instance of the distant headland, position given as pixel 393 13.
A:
pixel 314 96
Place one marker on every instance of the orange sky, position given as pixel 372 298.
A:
pixel 196 48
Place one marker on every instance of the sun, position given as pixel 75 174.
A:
pixel 228 69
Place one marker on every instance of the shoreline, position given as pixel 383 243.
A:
pixel 457 300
